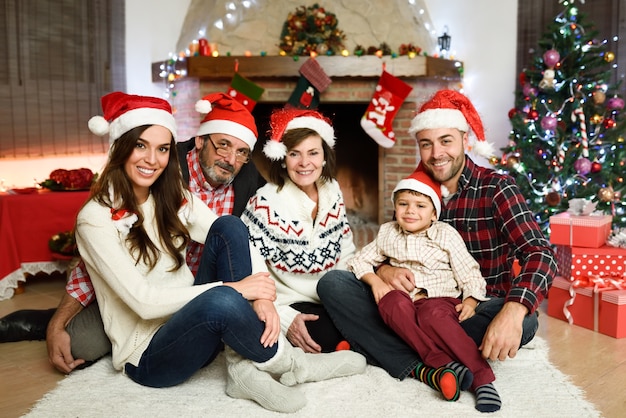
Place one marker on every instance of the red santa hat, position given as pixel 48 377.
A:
pixel 421 182
pixel 225 115
pixel 284 120
pixel 451 109
pixel 123 112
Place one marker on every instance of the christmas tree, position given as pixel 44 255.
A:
pixel 568 131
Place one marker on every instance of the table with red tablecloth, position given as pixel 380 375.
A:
pixel 27 222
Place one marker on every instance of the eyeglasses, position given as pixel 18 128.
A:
pixel 225 149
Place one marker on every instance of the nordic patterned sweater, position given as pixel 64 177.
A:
pixel 134 301
pixel 298 249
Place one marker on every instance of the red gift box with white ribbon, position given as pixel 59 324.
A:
pixel 597 303
pixel 589 231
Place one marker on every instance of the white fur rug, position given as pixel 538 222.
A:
pixel 528 385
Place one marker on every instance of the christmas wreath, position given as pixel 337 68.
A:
pixel 311 29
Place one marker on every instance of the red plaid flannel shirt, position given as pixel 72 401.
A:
pixel 497 226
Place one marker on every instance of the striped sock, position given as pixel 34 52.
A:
pixel 487 398
pixel 463 374
pixel 441 379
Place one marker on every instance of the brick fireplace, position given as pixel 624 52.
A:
pixel 367 173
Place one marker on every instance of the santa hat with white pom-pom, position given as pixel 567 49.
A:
pixel 225 115
pixel 123 112
pixel 421 182
pixel 451 109
pixel 286 119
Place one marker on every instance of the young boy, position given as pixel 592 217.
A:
pixel 448 287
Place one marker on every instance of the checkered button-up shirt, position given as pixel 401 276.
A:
pixel 219 199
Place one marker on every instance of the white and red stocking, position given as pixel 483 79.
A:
pixel 378 118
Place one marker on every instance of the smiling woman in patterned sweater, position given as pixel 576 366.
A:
pixel 298 222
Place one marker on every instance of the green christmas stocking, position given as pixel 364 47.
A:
pixel 245 91
pixel 312 82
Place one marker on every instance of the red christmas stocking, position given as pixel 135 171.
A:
pixel 313 81
pixel 245 91
pixel 377 120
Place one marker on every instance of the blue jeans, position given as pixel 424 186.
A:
pixel 195 335
pixel 351 305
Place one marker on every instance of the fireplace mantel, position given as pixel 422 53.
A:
pixel 215 68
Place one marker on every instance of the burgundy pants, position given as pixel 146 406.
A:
pixel 431 327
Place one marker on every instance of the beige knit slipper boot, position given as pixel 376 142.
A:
pixel 295 366
pixel 246 381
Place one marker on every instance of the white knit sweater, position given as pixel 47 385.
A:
pixel 133 300
pixel 299 250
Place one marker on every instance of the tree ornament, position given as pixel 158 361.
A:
pixel 553 199
pixel 596 167
pixel 606 194
pixel 512 161
pixel 609 56
pixel 615 103
pixel 596 119
pixel 548 81
pixel 548 123
pixel 533 114
pixel 551 57
pixel 609 123
pixel 582 166
pixel 598 97
pixel 584 140
pixel 512 113
pixel 529 90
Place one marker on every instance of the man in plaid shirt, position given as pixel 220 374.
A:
pixel 491 215
pixel 215 164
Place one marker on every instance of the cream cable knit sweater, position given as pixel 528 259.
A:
pixel 135 301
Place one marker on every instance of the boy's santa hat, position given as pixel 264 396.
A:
pixel 284 120
pixel 225 115
pixel 421 182
pixel 123 112
pixel 451 109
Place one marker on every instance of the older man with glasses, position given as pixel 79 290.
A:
pixel 216 165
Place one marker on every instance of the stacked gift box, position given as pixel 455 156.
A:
pixel 591 288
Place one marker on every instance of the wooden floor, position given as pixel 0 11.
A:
pixel 595 362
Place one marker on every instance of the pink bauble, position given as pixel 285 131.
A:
pixel 615 103
pixel 551 57
pixel 548 123
pixel 582 166
pixel 529 90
